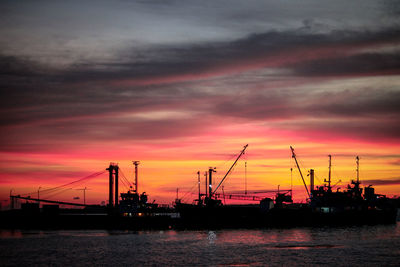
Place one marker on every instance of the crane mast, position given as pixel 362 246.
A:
pixel 298 167
pixel 230 169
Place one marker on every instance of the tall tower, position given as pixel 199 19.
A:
pixel 210 171
pixel 136 163
pixel 112 181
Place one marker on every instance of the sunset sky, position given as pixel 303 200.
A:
pixel 183 85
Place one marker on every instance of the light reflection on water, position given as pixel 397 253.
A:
pixel 341 246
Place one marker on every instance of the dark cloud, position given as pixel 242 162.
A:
pixel 44 98
pixel 374 130
pixel 257 107
pixel 13 66
pixel 365 102
pixel 25 83
pixel 68 135
pixel 271 48
pixel 280 49
pixel 281 104
pixel 367 63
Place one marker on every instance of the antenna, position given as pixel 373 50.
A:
pixel 210 171
pixel 330 170
pixel 84 194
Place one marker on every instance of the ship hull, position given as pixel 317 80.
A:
pixel 192 216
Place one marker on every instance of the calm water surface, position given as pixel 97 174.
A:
pixel 344 246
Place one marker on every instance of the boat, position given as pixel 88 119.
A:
pixel 323 207
pixel 350 205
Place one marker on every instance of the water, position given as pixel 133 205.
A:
pixel 344 246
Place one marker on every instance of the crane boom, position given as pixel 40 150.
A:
pixel 230 169
pixel 298 167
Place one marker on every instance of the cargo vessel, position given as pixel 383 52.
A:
pixel 324 206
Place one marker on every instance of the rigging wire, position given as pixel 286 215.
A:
pixel 126 179
pixel 231 168
pixel 55 190
pixel 124 184
pixel 60 192
pixel 50 190
pixel 189 192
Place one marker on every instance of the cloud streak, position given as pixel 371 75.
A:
pixel 392 181
pixel 290 49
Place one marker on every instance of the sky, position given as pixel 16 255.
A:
pixel 183 85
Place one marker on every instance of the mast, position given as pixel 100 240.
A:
pixel 330 170
pixel 110 170
pixel 205 180
pixel 298 167
pixel 113 184
pixel 198 182
pixel 311 180
pixel 210 171
pixel 230 169
pixel 116 202
pixel 136 163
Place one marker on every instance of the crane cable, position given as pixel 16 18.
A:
pixel 53 189
pixel 125 181
pixel 190 191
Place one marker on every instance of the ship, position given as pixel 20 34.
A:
pixel 131 210
pixel 208 211
pixel 324 206
pixel 126 210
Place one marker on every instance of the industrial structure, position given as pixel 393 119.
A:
pixel 131 210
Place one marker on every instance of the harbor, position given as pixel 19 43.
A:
pixel 131 210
